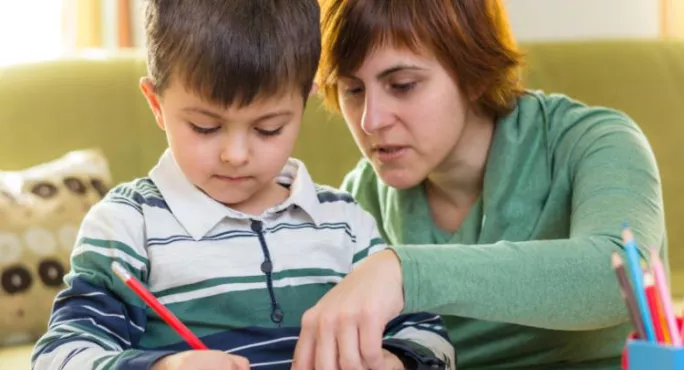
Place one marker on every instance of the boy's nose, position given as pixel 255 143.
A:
pixel 235 153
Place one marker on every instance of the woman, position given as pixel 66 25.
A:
pixel 503 206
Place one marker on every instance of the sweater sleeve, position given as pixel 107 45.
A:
pixel 564 284
pixel 96 321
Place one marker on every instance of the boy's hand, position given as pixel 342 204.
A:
pixel 202 360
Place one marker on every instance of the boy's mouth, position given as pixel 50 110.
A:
pixel 233 178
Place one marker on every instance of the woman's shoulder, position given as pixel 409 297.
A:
pixel 569 121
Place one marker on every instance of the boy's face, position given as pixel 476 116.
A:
pixel 232 154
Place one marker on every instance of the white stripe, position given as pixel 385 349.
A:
pixel 104 314
pixel 407 323
pixel 109 252
pixel 225 288
pixel 96 325
pixel 93 294
pixel 264 343
pixel 259 364
pixel 122 317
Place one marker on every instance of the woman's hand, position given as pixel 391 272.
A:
pixel 202 360
pixel 344 329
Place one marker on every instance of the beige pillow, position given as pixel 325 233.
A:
pixel 41 209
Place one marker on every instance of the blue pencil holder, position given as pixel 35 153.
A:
pixel 643 355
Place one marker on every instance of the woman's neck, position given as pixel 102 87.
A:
pixel 459 179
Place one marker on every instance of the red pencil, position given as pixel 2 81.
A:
pixel 160 309
pixel 652 299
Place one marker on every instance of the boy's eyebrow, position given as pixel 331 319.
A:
pixel 278 113
pixel 206 112
pixel 283 112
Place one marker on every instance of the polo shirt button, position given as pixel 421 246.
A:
pixel 266 267
pixel 277 315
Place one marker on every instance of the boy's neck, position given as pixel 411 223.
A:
pixel 262 200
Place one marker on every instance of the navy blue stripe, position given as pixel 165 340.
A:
pixel 71 355
pixel 402 321
pixel 133 192
pixel 125 202
pixel 72 308
pixel 230 340
pixel 325 196
pixel 250 234
pixel 309 225
pixel 177 238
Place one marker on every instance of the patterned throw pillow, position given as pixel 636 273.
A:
pixel 41 209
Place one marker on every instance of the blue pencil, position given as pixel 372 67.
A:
pixel 634 266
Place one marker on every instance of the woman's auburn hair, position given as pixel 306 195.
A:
pixel 472 40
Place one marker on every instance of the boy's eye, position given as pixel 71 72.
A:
pixel 204 130
pixel 263 132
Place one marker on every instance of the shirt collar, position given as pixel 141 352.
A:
pixel 198 213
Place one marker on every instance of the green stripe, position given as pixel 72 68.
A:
pixel 229 311
pixel 115 362
pixel 109 358
pixel 105 243
pixel 358 256
pixel 96 270
pixel 210 283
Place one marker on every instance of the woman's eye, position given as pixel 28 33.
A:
pixel 353 91
pixel 204 130
pixel 404 87
pixel 269 132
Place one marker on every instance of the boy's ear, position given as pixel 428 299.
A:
pixel 147 88
pixel 314 89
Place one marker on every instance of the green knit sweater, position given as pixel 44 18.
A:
pixel 526 282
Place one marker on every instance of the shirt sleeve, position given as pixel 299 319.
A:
pixel 96 321
pixel 551 283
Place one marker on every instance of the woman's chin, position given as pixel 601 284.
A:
pixel 399 179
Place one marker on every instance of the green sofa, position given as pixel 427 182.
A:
pixel 52 107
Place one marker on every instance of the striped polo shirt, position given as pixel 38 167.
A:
pixel 240 282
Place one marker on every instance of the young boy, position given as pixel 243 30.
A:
pixel 227 231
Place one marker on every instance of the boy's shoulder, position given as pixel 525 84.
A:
pixel 329 194
pixel 136 194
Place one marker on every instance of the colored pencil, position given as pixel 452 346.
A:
pixel 160 309
pixel 652 299
pixel 665 297
pixel 634 266
pixel 628 294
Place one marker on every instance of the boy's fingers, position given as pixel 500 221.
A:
pixel 348 345
pixel 326 346
pixel 241 363
pixel 370 338
pixel 306 344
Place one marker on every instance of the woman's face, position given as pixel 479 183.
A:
pixel 406 113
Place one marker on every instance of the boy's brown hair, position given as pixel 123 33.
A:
pixel 233 51
pixel 471 39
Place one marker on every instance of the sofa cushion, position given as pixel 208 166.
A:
pixel 41 209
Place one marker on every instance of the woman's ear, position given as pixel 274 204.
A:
pixel 148 90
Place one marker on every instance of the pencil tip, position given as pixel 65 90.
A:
pixel 615 259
